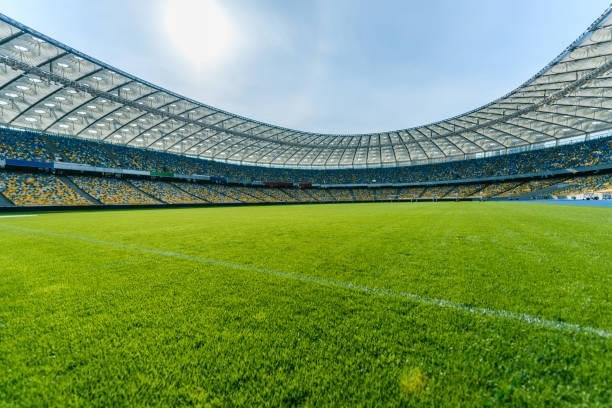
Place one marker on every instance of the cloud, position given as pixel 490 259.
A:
pixel 200 32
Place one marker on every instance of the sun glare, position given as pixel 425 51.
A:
pixel 200 31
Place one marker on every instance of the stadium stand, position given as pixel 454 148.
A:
pixel 320 195
pixel 498 189
pixel 362 194
pixel 206 193
pixel 436 192
pixel 66 142
pixel 527 172
pixel 112 191
pixel 276 194
pixel 411 193
pixel 299 195
pixel 45 189
pixel 75 151
pixel 529 187
pixel 466 191
pixel 386 193
pixel 236 194
pixel 166 192
pixel 586 186
pixel 26 189
pixel 343 194
pixel 33 146
pixel 25 146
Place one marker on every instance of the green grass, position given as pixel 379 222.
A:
pixel 111 308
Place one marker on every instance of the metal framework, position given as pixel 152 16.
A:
pixel 48 86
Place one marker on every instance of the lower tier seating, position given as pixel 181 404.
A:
pixel 585 186
pixel 206 193
pixel 112 191
pixel 46 189
pixel 166 192
pixel 25 189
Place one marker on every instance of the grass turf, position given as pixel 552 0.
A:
pixel 198 306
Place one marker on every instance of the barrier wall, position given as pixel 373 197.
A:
pixel 92 169
pixel 28 164
pixel 56 208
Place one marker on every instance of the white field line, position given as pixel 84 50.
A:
pixel 332 283
pixel 18 216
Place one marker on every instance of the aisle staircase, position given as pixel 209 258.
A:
pixel 79 191
pixel 5 202
pixel 140 190
pixel 546 192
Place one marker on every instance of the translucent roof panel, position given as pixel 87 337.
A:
pixel 48 86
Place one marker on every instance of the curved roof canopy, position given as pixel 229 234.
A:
pixel 47 86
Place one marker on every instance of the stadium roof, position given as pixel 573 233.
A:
pixel 48 86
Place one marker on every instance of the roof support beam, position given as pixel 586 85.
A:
pixel 25 73
pixel 266 145
pixel 33 105
pixel 528 114
pixel 134 119
pixel 243 148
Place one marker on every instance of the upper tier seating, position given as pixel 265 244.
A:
pixel 33 146
pixel 25 146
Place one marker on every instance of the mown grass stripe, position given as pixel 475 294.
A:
pixel 382 292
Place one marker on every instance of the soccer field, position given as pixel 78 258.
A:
pixel 468 304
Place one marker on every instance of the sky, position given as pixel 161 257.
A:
pixel 334 66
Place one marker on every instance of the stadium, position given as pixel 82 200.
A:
pixel 161 251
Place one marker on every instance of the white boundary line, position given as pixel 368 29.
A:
pixel 18 216
pixel 382 292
